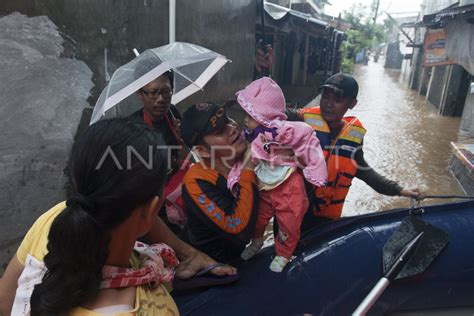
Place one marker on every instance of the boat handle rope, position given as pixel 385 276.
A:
pixel 468 197
pixel 416 203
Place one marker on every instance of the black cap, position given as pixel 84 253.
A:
pixel 343 83
pixel 201 119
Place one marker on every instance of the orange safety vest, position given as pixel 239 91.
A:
pixel 340 160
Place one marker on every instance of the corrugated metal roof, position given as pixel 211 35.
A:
pixel 436 19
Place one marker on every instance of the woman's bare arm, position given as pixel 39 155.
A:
pixel 192 260
pixel 8 285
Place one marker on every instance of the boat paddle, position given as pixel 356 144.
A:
pixel 409 251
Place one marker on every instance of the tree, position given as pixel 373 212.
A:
pixel 364 34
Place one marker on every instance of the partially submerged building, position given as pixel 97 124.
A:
pixel 443 71
pixel 306 50
pixel 398 38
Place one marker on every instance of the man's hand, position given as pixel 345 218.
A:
pixel 416 193
pixel 196 261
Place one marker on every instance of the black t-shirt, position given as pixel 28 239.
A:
pixel 168 135
pixel 161 126
pixel 169 138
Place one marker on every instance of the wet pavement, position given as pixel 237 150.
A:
pixel 406 141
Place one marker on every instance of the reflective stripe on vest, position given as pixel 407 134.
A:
pixel 339 158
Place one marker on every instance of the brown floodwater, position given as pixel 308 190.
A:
pixel 406 141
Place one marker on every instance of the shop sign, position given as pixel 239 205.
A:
pixel 434 46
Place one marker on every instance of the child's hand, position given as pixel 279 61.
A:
pixel 248 164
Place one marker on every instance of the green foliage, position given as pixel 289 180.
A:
pixel 347 65
pixel 364 33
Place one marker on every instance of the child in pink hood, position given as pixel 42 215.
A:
pixel 281 184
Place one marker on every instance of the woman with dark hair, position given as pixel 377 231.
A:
pixel 82 254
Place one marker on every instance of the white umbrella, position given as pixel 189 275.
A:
pixel 193 66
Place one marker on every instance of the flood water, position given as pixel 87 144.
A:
pixel 406 141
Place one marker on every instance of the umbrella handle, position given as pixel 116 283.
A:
pixel 372 297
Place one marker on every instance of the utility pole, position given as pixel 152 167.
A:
pixel 376 11
pixel 172 21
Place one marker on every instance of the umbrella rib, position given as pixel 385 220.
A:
pixel 168 62
pixel 122 94
pixel 201 80
pixel 187 78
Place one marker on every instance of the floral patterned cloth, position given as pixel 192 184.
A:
pixel 158 263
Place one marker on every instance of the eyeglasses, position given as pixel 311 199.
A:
pixel 154 94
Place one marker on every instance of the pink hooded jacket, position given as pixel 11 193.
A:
pixel 264 101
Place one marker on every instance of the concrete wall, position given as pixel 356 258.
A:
pixel 97 28
pixel 415 75
pixel 417 60
pixel 103 33
pixel 393 57
pixel 42 99
pixel 227 27
pixel 467 121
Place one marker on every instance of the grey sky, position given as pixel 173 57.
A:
pixel 391 6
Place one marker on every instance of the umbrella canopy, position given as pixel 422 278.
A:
pixel 193 66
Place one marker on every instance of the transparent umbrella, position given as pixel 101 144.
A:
pixel 193 67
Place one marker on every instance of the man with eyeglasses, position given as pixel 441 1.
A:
pixel 158 112
pixel 160 115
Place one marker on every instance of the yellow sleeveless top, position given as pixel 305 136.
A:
pixel 148 301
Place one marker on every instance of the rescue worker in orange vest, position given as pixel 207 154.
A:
pixel 341 140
